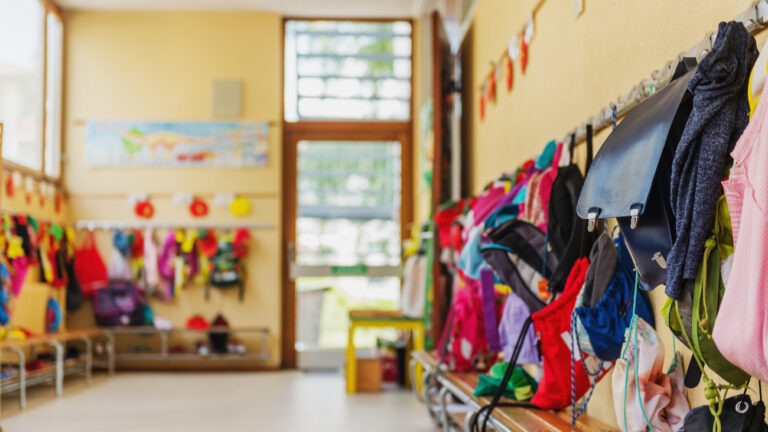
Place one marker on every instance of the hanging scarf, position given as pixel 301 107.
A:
pixel 720 114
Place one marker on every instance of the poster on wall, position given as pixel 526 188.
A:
pixel 170 144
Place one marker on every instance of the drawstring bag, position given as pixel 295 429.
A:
pixel 89 266
pixel 513 317
pixel 738 415
pixel 642 394
pixel 551 323
pixel 552 326
pixel 693 318
pixel 604 306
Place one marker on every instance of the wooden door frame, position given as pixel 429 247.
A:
pixel 337 131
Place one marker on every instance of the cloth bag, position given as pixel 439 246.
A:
pixel 603 309
pixel 660 397
pixel 550 324
pixel 89 266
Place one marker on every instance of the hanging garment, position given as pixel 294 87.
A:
pixel 119 266
pixel 720 114
pixel 660 397
pixel 741 327
pixel 414 286
pixel 151 268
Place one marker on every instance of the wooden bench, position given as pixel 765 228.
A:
pixel 461 386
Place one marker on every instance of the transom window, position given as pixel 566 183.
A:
pixel 347 70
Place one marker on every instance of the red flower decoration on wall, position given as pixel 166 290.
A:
pixel 523 54
pixel 198 208
pixel 144 209
pixel 509 66
pixel 9 189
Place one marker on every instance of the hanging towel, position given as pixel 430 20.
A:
pixel 720 114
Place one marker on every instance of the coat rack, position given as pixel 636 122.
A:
pixel 94 225
pixel 755 19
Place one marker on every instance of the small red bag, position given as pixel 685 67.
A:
pixel 89 267
pixel 553 326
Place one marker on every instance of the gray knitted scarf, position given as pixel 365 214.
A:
pixel 719 116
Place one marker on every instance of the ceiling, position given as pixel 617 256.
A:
pixel 315 8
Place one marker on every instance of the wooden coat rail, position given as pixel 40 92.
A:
pixel 93 225
pixel 755 19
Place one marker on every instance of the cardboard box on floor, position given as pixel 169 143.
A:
pixel 369 375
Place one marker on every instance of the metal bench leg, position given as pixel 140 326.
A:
pixel 446 421
pixel 59 366
pixel 88 358
pixel 22 376
pixel 110 348
pixel 469 420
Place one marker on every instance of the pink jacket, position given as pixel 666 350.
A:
pixel 741 327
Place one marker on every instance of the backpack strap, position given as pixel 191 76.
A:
pixel 590 151
pixel 488 295
pixel 486 410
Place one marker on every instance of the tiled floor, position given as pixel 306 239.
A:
pixel 186 402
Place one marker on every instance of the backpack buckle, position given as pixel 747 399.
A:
pixel 634 214
pixel 592 218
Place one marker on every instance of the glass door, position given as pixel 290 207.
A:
pixel 347 247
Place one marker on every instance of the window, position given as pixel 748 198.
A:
pixel 31 116
pixel 346 70
pixel 53 87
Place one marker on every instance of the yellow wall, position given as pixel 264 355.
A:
pixel 575 68
pixel 160 66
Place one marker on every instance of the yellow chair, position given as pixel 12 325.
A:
pixel 380 319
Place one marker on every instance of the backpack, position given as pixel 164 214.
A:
pixel 463 345
pixel 227 271
pixel 516 251
pixel 89 266
pixel 567 234
pixel 119 304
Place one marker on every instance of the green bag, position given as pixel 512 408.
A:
pixel 692 318
pixel 521 386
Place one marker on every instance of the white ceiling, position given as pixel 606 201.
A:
pixel 304 8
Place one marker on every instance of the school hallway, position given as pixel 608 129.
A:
pixel 272 401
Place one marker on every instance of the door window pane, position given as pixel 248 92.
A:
pixel 21 80
pixel 348 203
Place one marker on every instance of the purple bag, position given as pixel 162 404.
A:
pixel 119 304
pixel 512 319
